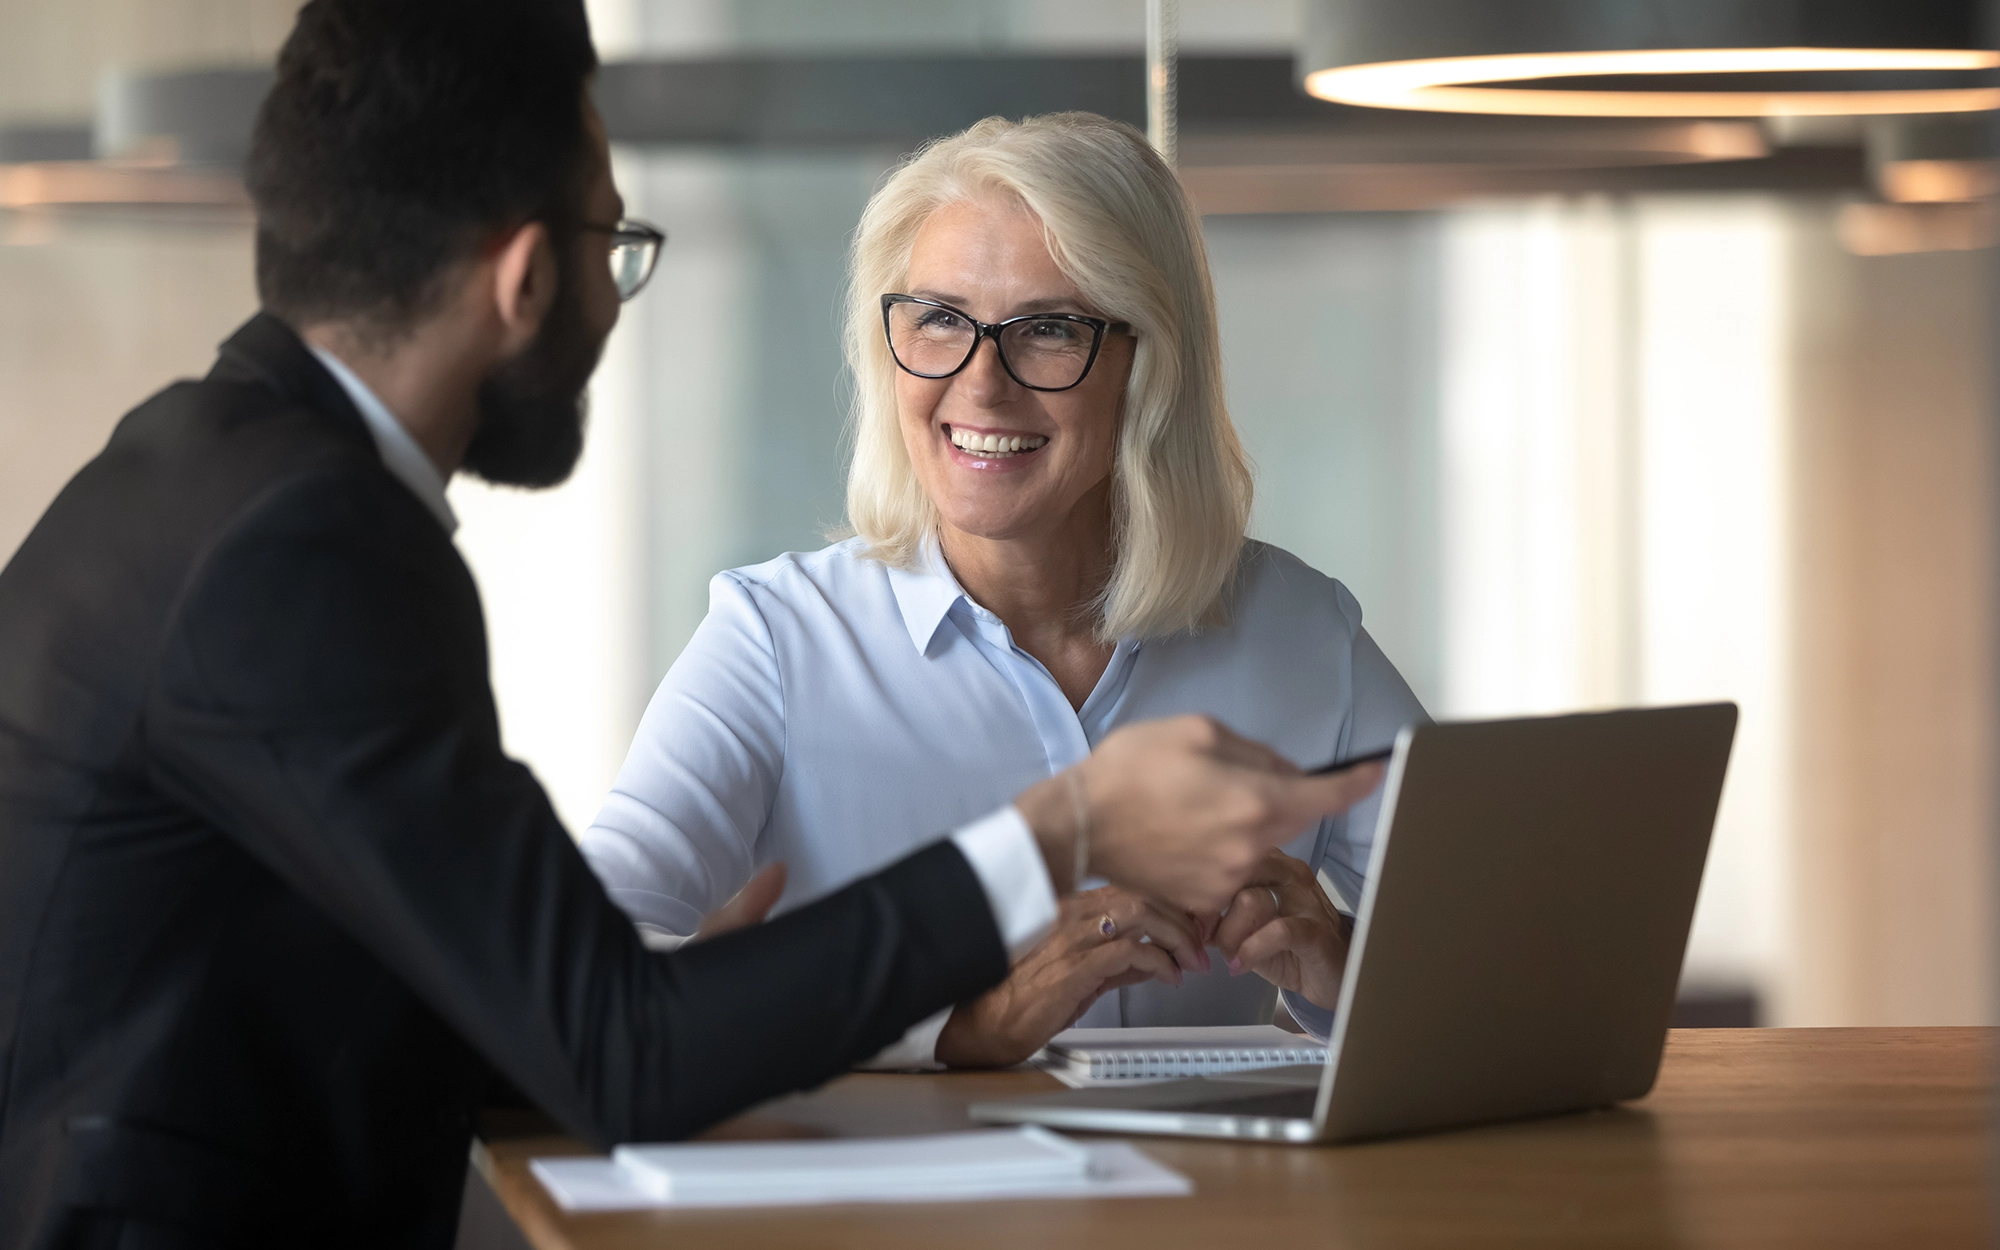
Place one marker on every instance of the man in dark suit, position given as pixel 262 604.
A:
pixel 275 908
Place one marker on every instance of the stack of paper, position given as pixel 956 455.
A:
pixel 996 1163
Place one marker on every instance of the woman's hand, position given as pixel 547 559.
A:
pixel 1282 927
pixel 1082 958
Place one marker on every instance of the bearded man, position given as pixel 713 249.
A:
pixel 276 909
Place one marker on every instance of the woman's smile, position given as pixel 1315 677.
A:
pixel 984 450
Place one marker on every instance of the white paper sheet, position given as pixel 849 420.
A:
pixel 834 1169
pixel 1117 1170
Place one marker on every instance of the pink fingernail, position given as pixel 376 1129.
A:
pixel 1235 968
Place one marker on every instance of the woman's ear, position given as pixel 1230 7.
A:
pixel 524 285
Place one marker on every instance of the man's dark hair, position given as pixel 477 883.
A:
pixel 399 135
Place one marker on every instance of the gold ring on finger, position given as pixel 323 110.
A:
pixel 1107 928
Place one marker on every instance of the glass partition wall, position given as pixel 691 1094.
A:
pixel 1568 451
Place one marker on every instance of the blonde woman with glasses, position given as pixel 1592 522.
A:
pixel 1048 503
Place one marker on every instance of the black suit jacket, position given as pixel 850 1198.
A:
pixel 274 904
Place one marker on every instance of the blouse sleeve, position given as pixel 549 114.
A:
pixel 1383 705
pixel 678 833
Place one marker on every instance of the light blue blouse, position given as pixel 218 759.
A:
pixel 837 714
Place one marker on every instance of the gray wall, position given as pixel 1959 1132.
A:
pixel 742 393
pixel 1330 354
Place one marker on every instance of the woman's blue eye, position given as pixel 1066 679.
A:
pixel 1051 332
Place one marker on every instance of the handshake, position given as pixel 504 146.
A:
pixel 1184 818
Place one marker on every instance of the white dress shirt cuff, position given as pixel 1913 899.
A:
pixel 656 938
pixel 1008 863
pixel 914 1049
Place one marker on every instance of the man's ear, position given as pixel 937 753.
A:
pixel 524 285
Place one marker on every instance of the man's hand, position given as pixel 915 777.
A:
pixel 1183 810
pixel 751 904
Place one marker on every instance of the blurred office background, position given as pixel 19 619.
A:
pixel 1698 415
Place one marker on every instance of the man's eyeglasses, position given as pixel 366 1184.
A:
pixel 1041 351
pixel 635 249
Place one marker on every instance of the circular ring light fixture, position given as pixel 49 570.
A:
pixel 1652 58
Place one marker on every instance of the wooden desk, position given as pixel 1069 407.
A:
pixel 1754 1137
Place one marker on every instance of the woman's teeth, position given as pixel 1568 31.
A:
pixel 995 444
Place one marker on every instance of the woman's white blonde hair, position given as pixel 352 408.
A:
pixel 1120 227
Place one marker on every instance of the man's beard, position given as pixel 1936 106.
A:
pixel 532 409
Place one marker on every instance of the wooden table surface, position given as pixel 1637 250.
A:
pixel 1753 1137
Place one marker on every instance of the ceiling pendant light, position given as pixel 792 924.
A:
pixel 1652 58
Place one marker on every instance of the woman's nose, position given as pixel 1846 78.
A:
pixel 987 381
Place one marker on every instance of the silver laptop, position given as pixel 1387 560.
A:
pixel 1518 945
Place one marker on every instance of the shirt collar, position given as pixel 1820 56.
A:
pixel 926 594
pixel 400 454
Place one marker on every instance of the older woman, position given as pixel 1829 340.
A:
pixel 1049 504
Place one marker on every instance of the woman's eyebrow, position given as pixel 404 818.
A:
pixel 1061 303
pixel 1054 303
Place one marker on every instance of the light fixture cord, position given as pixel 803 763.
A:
pixel 1163 46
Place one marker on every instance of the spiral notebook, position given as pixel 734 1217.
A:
pixel 1093 1057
